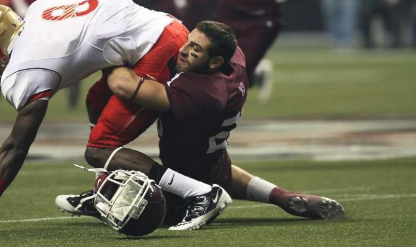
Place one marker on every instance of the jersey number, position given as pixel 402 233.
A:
pixel 219 141
pixel 63 12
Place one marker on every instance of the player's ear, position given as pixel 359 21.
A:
pixel 216 62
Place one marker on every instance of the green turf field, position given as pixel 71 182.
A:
pixel 379 198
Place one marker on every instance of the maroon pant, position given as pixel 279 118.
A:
pixel 256 25
pixel 255 36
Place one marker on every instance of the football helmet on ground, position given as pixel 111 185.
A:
pixel 130 203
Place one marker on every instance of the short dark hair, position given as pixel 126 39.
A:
pixel 222 37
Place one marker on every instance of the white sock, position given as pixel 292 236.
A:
pixel 259 190
pixel 182 185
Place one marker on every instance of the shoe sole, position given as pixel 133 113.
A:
pixel 224 201
pixel 324 208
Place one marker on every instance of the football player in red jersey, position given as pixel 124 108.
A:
pixel 200 106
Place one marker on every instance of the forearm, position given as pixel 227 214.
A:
pixel 14 150
pixel 127 85
pixel 11 160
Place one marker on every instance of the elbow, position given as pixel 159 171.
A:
pixel 117 85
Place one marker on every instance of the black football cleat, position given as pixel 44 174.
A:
pixel 78 205
pixel 203 209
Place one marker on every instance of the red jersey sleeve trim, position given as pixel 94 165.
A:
pixel 42 95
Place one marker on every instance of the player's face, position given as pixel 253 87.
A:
pixel 193 55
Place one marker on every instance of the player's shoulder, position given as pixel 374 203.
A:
pixel 207 89
pixel 200 82
pixel 239 58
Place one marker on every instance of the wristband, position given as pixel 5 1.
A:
pixel 137 89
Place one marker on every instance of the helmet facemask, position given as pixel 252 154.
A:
pixel 128 201
pixel 121 197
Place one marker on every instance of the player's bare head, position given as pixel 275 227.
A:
pixel 10 26
pixel 208 49
pixel 223 40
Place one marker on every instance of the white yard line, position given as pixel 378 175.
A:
pixel 377 197
pixel 35 220
pixel 319 191
pixel 364 197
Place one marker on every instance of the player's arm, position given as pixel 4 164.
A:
pixel 127 85
pixel 14 150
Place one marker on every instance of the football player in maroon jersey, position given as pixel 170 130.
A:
pixel 200 106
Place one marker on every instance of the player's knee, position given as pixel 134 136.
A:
pixel 96 157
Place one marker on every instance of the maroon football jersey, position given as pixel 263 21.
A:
pixel 204 109
pixel 237 9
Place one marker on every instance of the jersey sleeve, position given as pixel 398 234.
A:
pixel 22 85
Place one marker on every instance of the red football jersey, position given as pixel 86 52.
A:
pixel 204 109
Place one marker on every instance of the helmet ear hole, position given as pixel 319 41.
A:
pixel 130 202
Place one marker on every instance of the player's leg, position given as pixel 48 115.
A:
pixel 265 31
pixel 248 187
pixel 203 202
pixel 97 98
pixel 83 204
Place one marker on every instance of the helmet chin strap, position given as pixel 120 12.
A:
pixel 111 157
pixel 96 170
pixel 100 170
